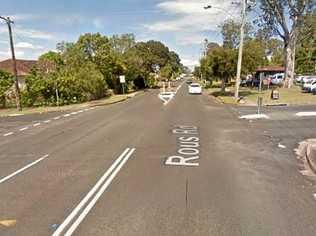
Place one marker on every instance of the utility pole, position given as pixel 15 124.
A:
pixel 241 45
pixel 17 89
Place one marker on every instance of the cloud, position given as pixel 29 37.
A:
pixel 26 45
pixel 98 23
pixel 190 62
pixel 191 16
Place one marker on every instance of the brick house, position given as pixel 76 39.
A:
pixel 23 67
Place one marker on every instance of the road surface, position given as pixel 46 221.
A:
pixel 140 167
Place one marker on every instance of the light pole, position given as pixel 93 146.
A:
pixel 241 44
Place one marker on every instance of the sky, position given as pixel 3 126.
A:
pixel 180 24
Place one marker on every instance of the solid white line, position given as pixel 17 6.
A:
pixel 8 134
pixel 25 128
pixel 90 194
pixel 306 113
pixel 36 124
pixel 22 169
pixel 47 121
pixel 91 204
pixel 57 118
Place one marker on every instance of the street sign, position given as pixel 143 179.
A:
pixel 122 79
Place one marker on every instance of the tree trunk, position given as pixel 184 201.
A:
pixel 223 85
pixel 289 62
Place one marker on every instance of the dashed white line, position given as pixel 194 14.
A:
pixel 8 134
pixel 107 177
pixel 74 113
pixel 22 169
pixel 56 118
pixel 25 128
pixel 314 195
pixel 306 113
pixel 87 109
pixel 66 115
pixel 80 111
pixel 47 121
pixel 36 124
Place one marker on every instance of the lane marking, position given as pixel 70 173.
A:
pixel 314 195
pixel 7 223
pixel 57 118
pixel 66 115
pixel 36 124
pixel 47 121
pixel 80 111
pixel 254 117
pixel 90 193
pixel 23 169
pixel 73 113
pixel 25 128
pixel 91 204
pixel 8 134
pixel 306 113
pixel 87 109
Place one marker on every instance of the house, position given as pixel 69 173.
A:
pixel 23 67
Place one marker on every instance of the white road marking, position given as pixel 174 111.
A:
pixel 127 153
pixel 57 118
pixel 47 121
pixel 314 195
pixel 80 111
pixel 25 128
pixel 87 109
pixel 22 169
pixel 281 146
pixel 254 116
pixel 8 134
pixel 36 124
pixel 66 115
pixel 74 113
pixel 92 108
pixel 306 113
pixel 91 204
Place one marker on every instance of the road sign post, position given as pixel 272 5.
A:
pixel 122 81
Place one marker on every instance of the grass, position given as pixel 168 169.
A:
pixel 292 96
pixel 33 110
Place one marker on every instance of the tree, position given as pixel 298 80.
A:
pixel 285 18
pixel 122 43
pixel 306 47
pixel 231 33
pixel 221 63
pixel 6 81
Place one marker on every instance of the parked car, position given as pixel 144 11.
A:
pixel 277 79
pixel 195 88
pixel 307 78
pixel 313 88
pixel 307 86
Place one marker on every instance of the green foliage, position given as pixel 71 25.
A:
pixel 6 81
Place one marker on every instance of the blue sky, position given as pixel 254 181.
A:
pixel 181 24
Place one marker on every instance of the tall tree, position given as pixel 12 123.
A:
pixel 285 18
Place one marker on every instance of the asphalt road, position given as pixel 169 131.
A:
pixel 190 167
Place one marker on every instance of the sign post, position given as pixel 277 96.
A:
pixel 122 81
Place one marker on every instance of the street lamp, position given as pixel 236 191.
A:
pixel 242 28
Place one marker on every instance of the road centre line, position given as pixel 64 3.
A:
pixel 306 113
pixel 25 128
pixel 47 121
pixel 114 169
pixel 8 134
pixel 23 169
pixel 56 118
pixel 36 124
pixel 66 115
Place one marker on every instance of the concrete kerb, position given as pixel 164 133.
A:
pixel 307 153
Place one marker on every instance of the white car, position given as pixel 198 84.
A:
pixel 277 79
pixel 308 85
pixel 195 88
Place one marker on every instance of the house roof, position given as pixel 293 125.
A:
pixel 23 66
pixel 271 69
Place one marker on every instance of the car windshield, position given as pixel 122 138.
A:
pixel 194 85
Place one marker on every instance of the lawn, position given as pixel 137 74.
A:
pixel 43 109
pixel 292 96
